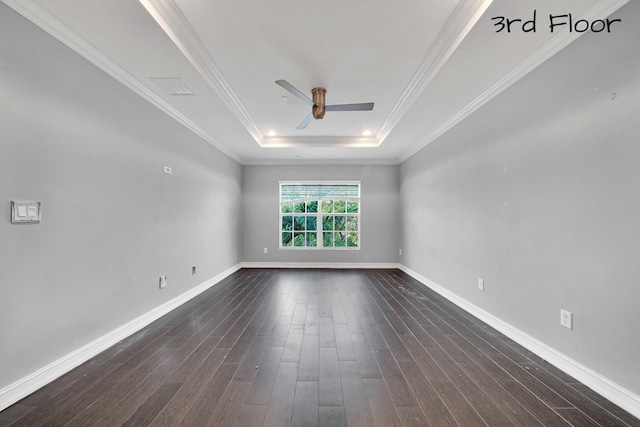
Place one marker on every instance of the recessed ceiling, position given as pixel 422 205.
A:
pixel 426 65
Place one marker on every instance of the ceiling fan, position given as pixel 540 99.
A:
pixel 318 106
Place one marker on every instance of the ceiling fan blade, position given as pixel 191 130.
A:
pixel 365 106
pixel 286 85
pixel 305 122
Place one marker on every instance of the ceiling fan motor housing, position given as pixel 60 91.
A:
pixel 318 102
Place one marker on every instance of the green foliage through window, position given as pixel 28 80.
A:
pixel 320 215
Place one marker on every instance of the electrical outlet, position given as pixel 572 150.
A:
pixel 566 319
pixel 163 281
pixel 193 270
pixel 265 250
pixel 400 252
pixel 481 284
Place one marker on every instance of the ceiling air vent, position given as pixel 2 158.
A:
pixel 172 85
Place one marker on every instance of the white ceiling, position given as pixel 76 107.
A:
pixel 426 64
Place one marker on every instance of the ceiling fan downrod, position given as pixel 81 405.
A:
pixel 318 102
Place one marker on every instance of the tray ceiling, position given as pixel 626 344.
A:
pixel 212 65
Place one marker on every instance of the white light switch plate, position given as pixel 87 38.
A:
pixel 23 211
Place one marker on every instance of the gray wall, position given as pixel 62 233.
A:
pixel 538 194
pixel 112 221
pixel 379 213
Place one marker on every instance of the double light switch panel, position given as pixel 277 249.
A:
pixel 25 212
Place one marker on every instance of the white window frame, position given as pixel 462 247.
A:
pixel 319 214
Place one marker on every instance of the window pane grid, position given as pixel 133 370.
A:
pixel 312 217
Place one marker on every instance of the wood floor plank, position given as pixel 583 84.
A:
pixel 290 304
pixel 300 314
pixel 353 321
pixel 116 393
pixel 227 412
pixel 185 398
pixel 394 344
pixel 518 415
pixel 153 405
pixel 366 357
pixel 575 417
pixel 311 325
pixel 280 408
pixel 428 365
pixel 356 403
pixel 462 411
pixel 480 401
pixel 372 307
pixel 202 409
pixel 309 359
pixel 541 390
pixel 317 347
pixel 293 345
pixel 539 409
pixel 251 415
pixel 249 367
pixel 331 416
pixel 371 331
pixel 427 397
pixel 262 385
pixel 272 318
pixel 314 299
pixel 280 332
pixel 588 407
pixel 382 409
pixel 337 311
pixel 398 387
pixel 66 404
pixel 324 306
pixel 412 417
pixel 330 386
pixel 473 349
pixel 195 359
pixel 621 416
pixel 137 397
pixel 241 344
pixel 419 332
pixel 326 332
pixel 344 343
pixel 305 405
pixel 14 413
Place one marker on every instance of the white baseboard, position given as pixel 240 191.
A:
pixel 25 386
pixel 615 393
pixel 334 265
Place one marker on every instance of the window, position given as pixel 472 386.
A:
pixel 320 215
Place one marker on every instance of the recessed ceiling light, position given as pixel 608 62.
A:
pixel 284 98
pixel 272 133
pixel 366 133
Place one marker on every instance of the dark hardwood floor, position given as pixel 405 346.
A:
pixel 316 348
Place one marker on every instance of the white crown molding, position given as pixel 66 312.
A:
pixel 61 32
pixel 169 16
pixel 555 44
pixel 461 21
pixel 25 386
pixel 617 394
pixel 320 162
pixel 171 19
